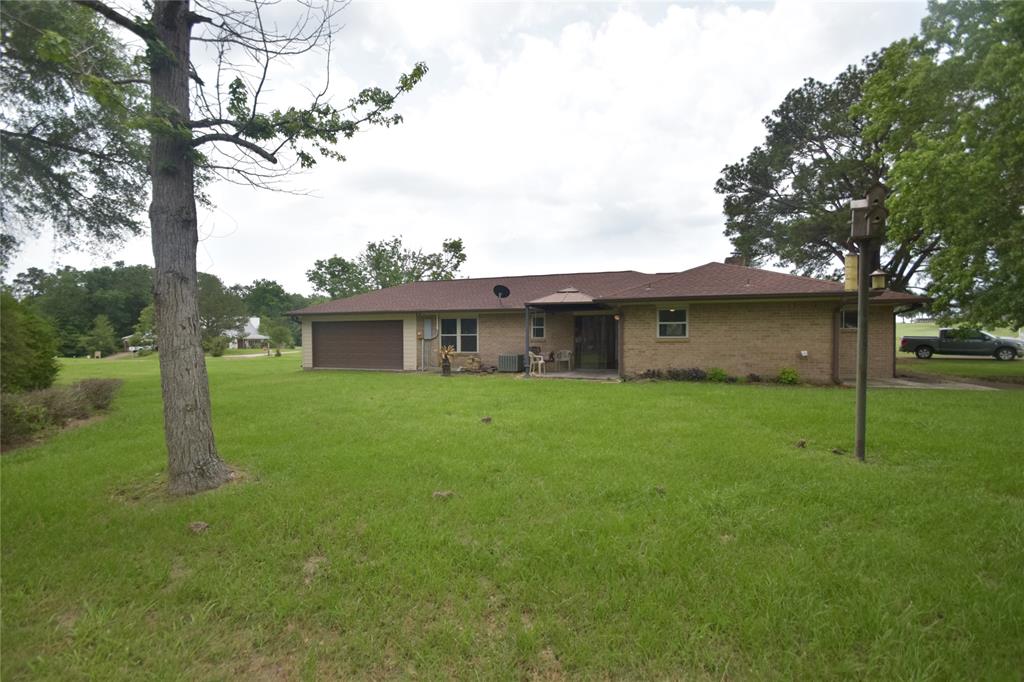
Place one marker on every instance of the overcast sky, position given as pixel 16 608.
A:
pixel 551 137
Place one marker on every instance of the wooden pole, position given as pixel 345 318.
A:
pixel 863 288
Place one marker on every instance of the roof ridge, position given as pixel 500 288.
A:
pixel 550 274
pixel 657 278
pixel 773 272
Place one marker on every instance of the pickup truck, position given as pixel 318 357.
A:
pixel 962 342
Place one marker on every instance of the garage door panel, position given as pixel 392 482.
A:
pixel 373 344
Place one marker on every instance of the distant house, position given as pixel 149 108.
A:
pixel 249 337
pixel 741 319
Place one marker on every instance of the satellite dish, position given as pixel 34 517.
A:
pixel 501 291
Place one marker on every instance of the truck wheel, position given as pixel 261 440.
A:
pixel 924 352
pixel 1006 354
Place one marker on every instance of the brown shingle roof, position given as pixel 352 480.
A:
pixel 478 294
pixel 711 280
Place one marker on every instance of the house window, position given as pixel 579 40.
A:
pixel 848 319
pixel 537 327
pixel 672 323
pixel 459 332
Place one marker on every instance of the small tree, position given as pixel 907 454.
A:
pixel 28 346
pixel 100 338
pixel 144 333
pixel 278 331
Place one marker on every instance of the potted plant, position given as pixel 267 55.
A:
pixel 446 353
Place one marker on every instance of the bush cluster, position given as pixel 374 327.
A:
pixel 788 375
pixel 715 374
pixel 22 415
pixel 216 345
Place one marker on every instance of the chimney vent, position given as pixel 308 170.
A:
pixel 736 259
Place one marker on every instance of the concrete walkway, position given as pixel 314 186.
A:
pixel 936 384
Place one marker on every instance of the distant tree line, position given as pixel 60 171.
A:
pixel 92 310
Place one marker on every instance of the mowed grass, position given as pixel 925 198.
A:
pixel 987 369
pixel 639 530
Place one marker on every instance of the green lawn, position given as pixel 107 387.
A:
pixel 988 369
pixel 639 530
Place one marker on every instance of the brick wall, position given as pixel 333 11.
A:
pixel 881 345
pixel 501 333
pixel 747 337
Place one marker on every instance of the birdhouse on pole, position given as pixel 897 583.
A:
pixel 868 215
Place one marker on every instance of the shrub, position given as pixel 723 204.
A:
pixel 717 374
pixel 754 378
pixel 216 346
pixel 99 393
pixel 61 403
pixel 788 375
pixel 28 348
pixel 143 352
pixel 650 374
pixel 20 419
pixel 695 374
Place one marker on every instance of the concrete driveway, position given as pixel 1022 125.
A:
pixel 931 382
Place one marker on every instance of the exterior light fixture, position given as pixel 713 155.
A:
pixel 878 280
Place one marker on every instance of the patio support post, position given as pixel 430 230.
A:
pixel 526 328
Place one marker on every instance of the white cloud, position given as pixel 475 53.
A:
pixel 551 137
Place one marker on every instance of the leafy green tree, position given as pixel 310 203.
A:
pixel 278 331
pixel 144 333
pixel 787 201
pixel 383 264
pixel 266 298
pixel 100 338
pixel 64 301
pixel 946 110
pixel 232 135
pixel 28 347
pixel 120 292
pixel 70 155
pixel 220 309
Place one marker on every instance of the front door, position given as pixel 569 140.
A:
pixel 596 342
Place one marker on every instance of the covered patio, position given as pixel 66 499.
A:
pixel 576 337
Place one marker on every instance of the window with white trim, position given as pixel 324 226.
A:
pixel 848 319
pixel 672 323
pixel 460 332
pixel 537 327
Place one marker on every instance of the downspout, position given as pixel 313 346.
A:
pixel 836 314
pixel 621 344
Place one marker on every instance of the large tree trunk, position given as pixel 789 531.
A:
pixel 193 463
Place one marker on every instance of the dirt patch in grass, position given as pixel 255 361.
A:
pixel 311 568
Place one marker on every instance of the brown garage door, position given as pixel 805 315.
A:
pixel 358 345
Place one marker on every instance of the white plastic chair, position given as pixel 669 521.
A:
pixel 536 363
pixel 563 356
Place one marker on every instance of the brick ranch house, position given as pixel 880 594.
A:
pixel 739 318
